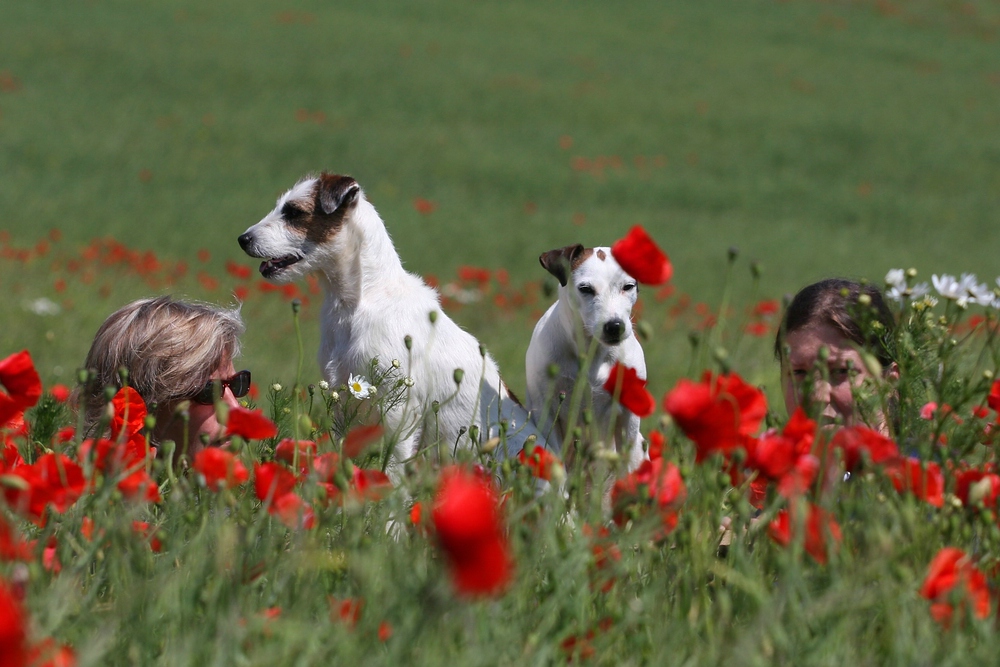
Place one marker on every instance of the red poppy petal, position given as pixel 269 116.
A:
pixel 641 258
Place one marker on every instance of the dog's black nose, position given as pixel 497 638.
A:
pixel 614 330
pixel 246 240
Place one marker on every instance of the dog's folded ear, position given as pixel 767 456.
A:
pixel 335 192
pixel 561 261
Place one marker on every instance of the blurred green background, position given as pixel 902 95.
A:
pixel 820 138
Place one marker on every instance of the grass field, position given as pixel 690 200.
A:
pixel 138 140
pixel 819 138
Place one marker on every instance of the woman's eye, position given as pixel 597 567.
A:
pixel 840 374
pixel 800 374
pixel 586 289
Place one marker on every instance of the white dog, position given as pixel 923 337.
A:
pixel 591 317
pixel 325 224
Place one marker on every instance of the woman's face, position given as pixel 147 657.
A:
pixel 833 388
pixel 202 419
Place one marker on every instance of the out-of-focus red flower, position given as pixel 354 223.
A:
pixel 655 481
pixel 416 513
pixel 370 484
pixel 285 452
pixel 993 400
pixel 657 444
pixel 819 523
pixel 220 468
pixel 129 413
pixel 951 572
pixel 759 329
pixel 139 485
pixel 48 653
pixel 924 481
pixel 60 392
pixel 642 258
pixel 716 413
pixel 347 611
pixel 853 441
pixel 12 547
pixel 22 384
pixel 474 274
pixel 540 461
pixel 204 255
pixel 384 631
pixel 250 424
pixel 147 532
pixel 424 206
pixel 927 412
pixel 294 512
pixel 272 480
pixel 764 308
pixel 625 384
pixel 977 487
pixel 10 455
pixel 359 437
pixel 13 634
pixel 605 553
pixel 54 480
pixel 787 458
pixel 240 271
pixel 469 528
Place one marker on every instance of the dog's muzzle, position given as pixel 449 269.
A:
pixel 613 331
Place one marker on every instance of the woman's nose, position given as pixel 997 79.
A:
pixel 820 392
pixel 230 398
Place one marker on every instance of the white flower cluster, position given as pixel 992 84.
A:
pixel 966 290
pixel 899 288
pixel 962 291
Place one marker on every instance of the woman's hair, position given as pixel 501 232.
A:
pixel 835 302
pixel 169 348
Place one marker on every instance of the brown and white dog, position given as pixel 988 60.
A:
pixel 589 328
pixel 325 224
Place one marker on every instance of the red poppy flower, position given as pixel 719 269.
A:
pixel 641 258
pixel 60 392
pixel 13 643
pixel 540 461
pixel 855 440
pixel 250 424
pixel 819 523
pixel 285 452
pixel 370 484
pixel 993 400
pixel 469 528
pixel 48 653
pixel 359 438
pixel 424 206
pixel 656 445
pixel 220 468
pixel 10 454
pixel 140 486
pixel 717 413
pixel 129 414
pixel 951 569
pixel 272 480
pixel 240 271
pixel 925 482
pixel 12 547
pixel 977 487
pixel 22 384
pixel 293 511
pixel 54 480
pixel 384 631
pixel 147 532
pixel 654 480
pixel 786 458
pixel 625 384
pixel 416 513
pixel 347 611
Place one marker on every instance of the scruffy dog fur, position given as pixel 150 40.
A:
pixel 325 224
pixel 590 320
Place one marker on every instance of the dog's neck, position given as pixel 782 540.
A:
pixel 367 260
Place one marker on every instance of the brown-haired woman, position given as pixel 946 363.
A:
pixel 826 330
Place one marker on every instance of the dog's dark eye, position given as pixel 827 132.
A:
pixel 290 212
pixel 628 287
pixel 586 289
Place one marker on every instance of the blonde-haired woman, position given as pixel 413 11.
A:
pixel 173 351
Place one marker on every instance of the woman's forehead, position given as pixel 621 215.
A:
pixel 804 344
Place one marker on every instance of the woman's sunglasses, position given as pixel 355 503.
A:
pixel 239 384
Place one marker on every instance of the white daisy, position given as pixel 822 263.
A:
pixel 359 386
pixel 896 278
